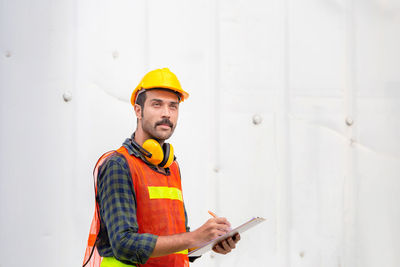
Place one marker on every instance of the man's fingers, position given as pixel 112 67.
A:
pixel 219 232
pixel 219 249
pixel 223 227
pixel 236 237
pixel 220 224
pixel 225 246
pixel 231 243
pixel 222 220
pixel 216 248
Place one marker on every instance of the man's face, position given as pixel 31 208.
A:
pixel 160 114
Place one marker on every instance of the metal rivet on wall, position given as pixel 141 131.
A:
pixel 257 119
pixel 7 54
pixel 349 121
pixel 67 96
pixel 115 54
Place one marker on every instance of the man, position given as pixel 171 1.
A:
pixel 140 216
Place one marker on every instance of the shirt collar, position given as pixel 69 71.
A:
pixel 131 149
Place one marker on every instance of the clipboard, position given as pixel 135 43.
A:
pixel 240 229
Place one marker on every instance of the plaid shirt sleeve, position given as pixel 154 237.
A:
pixel 118 214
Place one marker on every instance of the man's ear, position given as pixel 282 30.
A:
pixel 138 111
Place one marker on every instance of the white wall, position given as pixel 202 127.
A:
pixel 328 189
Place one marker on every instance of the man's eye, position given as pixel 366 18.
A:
pixel 156 104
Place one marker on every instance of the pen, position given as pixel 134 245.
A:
pixel 212 214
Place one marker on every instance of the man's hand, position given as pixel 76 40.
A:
pixel 212 229
pixel 227 245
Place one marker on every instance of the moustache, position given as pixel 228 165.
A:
pixel 164 121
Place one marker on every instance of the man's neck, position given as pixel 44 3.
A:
pixel 141 137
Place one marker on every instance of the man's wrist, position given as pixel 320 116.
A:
pixel 189 239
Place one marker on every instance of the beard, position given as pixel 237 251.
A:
pixel 155 132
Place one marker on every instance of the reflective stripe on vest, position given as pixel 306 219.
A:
pixel 164 192
pixel 186 251
pixel 113 262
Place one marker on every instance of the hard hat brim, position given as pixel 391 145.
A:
pixel 184 94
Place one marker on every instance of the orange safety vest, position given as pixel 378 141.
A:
pixel 159 209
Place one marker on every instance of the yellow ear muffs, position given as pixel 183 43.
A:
pixel 162 157
pixel 157 154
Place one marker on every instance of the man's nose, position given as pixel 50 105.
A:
pixel 165 111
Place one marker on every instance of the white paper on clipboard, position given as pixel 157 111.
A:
pixel 240 229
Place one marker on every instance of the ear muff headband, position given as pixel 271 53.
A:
pixel 141 149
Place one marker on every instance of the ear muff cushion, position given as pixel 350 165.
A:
pixel 156 151
pixel 168 155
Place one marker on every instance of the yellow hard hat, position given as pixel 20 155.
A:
pixel 159 78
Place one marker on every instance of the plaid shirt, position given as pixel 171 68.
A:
pixel 118 235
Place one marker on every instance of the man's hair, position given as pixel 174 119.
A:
pixel 141 98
